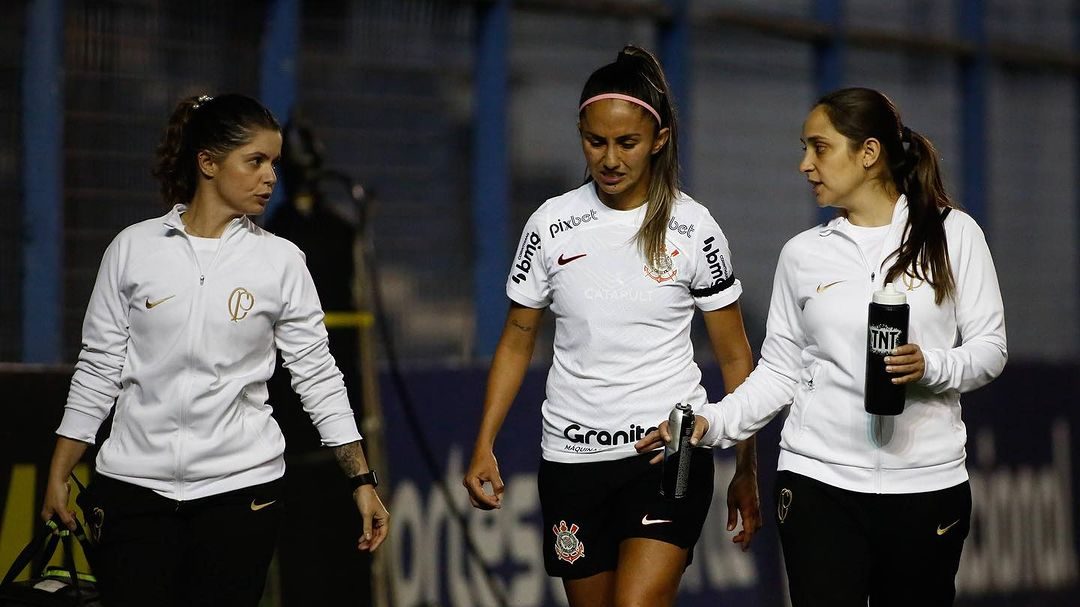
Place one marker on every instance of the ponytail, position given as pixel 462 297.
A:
pixel 175 165
pixel 637 73
pixel 924 252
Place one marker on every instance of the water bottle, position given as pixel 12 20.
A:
pixel 886 330
pixel 677 453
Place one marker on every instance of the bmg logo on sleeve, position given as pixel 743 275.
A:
pixel 717 265
pixel 529 246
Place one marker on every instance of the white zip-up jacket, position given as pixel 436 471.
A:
pixel 185 352
pixel 814 359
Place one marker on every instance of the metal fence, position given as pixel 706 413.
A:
pixel 391 88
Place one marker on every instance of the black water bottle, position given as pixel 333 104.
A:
pixel 886 330
pixel 676 475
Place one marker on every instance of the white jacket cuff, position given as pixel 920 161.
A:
pixel 714 436
pixel 931 367
pixel 335 432
pixel 79 426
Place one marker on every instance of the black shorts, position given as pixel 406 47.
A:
pixel 590 508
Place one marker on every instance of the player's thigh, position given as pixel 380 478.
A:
pixel 579 532
pixel 597 590
pixel 649 572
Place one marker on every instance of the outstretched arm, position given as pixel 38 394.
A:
pixel 728 337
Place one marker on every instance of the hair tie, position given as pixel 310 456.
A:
pixel 905 134
pixel 203 99
pixel 622 97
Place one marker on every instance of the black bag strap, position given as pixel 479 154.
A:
pixel 78 483
pixel 44 544
pixel 69 563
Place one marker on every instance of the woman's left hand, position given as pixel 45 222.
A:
pixel 376 518
pixel 906 361
pixel 743 501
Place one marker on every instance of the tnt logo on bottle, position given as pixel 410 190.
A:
pixel 562 225
pixel 884 339
pixel 529 248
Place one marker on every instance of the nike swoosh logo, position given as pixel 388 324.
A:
pixel 256 507
pixel 942 530
pixel 565 260
pixel 151 304
pixel 821 287
pixel 645 520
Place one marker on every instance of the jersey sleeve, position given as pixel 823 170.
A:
pixel 528 283
pixel 713 284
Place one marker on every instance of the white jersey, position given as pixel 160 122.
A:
pixel 623 355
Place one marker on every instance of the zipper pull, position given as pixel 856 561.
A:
pixel 873 275
pixel 202 278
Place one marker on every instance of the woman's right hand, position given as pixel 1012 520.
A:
pixel 660 437
pixel 57 492
pixel 484 469
pixel 67 453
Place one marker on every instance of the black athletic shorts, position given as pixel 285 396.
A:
pixel 590 508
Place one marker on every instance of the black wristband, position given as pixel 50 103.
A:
pixel 367 478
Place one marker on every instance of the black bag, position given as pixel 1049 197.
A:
pixel 50 586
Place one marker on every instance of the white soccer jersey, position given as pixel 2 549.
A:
pixel 623 355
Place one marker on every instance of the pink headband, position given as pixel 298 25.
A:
pixel 622 97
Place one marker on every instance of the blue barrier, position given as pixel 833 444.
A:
pixel 1022 550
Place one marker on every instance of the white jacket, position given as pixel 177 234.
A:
pixel 814 359
pixel 185 351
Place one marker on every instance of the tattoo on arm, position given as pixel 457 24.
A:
pixel 350 457
pixel 520 326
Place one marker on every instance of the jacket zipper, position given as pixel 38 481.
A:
pixel 873 285
pixel 197 316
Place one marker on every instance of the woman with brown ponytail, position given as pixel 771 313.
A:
pixel 621 261
pixel 871 507
pixel 181 334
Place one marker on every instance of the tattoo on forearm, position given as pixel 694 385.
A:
pixel 350 457
pixel 520 326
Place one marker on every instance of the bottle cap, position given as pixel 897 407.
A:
pixel 889 296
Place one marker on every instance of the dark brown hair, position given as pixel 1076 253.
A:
pixel 218 125
pixel 637 73
pixel 860 114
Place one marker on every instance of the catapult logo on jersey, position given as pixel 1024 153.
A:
pixel 680 228
pixel 563 225
pixel 575 435
pixel 529 246
pixel 717 264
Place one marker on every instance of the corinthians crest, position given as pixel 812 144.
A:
pixel 662 267
pixel 567 547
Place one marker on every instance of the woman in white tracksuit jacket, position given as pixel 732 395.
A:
pixel 870 507
pixel 182 330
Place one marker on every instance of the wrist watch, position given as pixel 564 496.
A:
pixel 367 478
